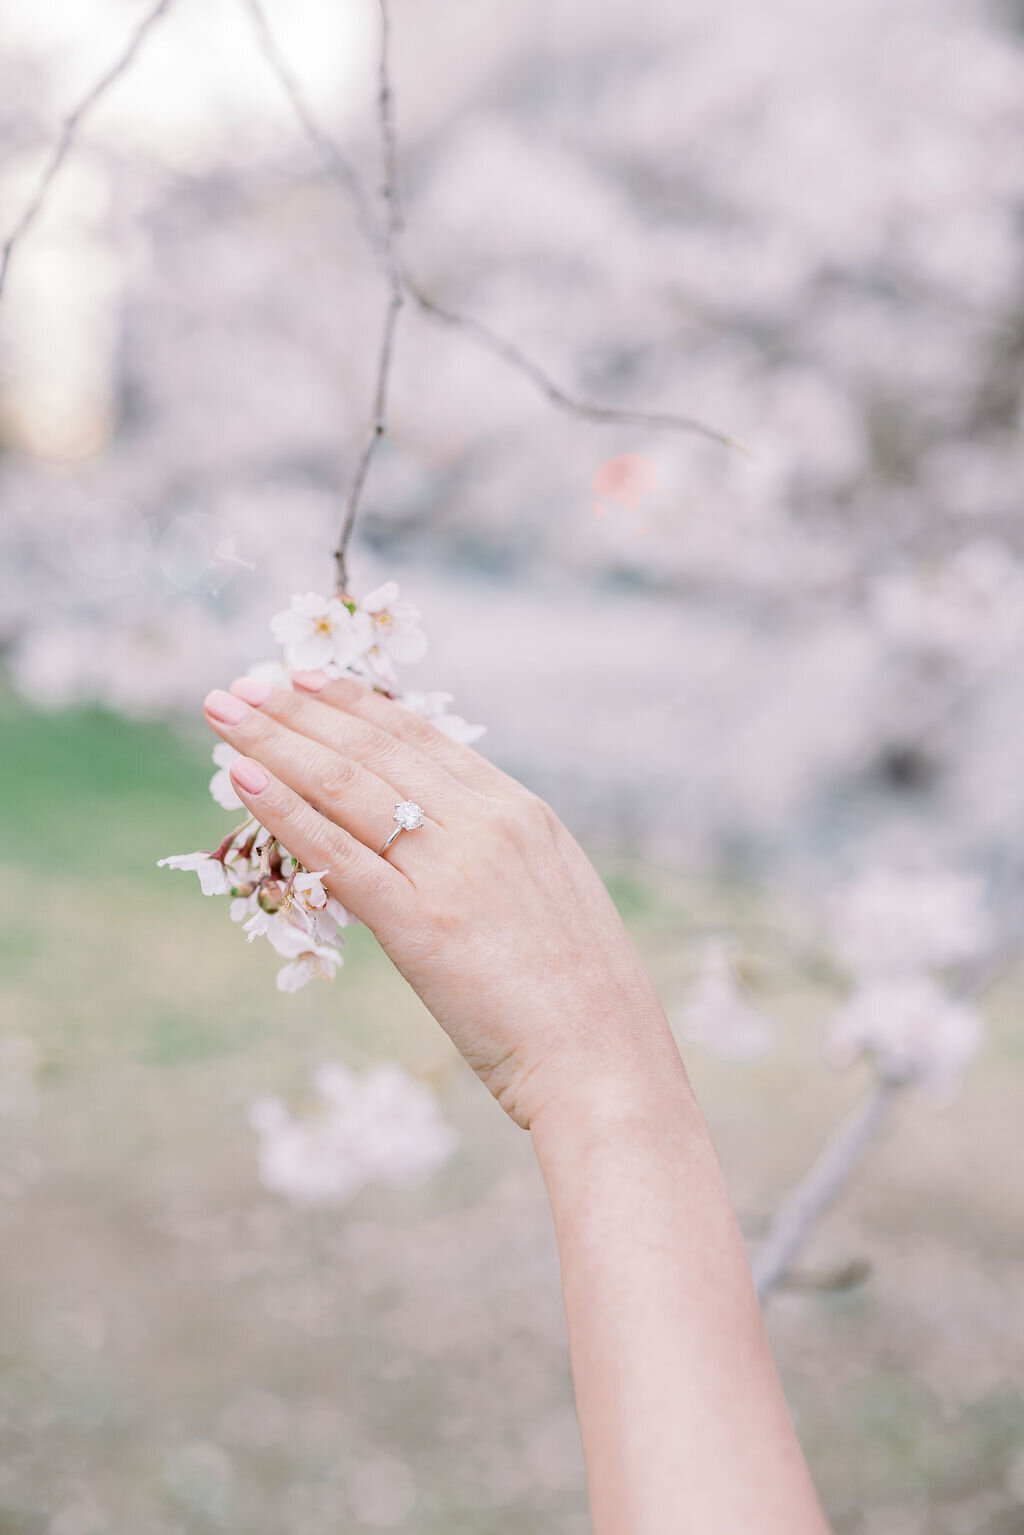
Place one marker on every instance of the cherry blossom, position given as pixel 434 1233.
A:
pixel 890 929
pixel 213 877
pixel 965 611
pixel 221 787
pixel 892 923
pixel 321 633
pixel 715 1012
pixel 911 1027
pixel 396 624
pixel 378 1127
pixel 434 707
pixel 324 912
pixel 318 962
pixel 272 895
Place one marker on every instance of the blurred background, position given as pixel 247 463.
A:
pixel 750 679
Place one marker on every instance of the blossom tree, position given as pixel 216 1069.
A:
pixel 859 343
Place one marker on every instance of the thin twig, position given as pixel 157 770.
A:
pixel 388 140
pixel 820 1185
pixel 516 358
pixel 337 164
pixel 70 128
pixel 396 296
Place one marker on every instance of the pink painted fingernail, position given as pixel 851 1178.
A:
pixel 225 707
pixel 253 691
pixel 248 775
pixel 310 682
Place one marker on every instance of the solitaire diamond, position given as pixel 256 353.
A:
pixel 408 815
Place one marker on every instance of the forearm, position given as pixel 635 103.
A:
pixel 685 1428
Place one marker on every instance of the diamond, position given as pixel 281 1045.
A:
pixel 408 815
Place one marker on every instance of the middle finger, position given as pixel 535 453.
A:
pixel 412 774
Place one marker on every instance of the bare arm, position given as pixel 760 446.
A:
pixel 499 921
pixel 684 1424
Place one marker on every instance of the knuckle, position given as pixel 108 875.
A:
pixel 286 704
pixel 544 816
pixel 256 728
pixel 418 730
pixel 387 754
pixel 321 840
pixel 332 774
pixel 342 691
pixel 447 921
pixel 523 814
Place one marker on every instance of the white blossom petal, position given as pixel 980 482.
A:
pixel 213 877
pixel 382 1126
pixel 380 598
pixel 223 791
pixel 912 1028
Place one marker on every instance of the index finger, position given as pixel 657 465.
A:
pixel 368 704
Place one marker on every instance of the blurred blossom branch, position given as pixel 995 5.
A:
pixel 337 164
pixel 396 296
pixel 401 285
pixel 516 358
pixel 384 242
pixel 69 129
pixel 915 1031
pixel 816 1191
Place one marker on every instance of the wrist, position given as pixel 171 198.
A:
pixel 618 1104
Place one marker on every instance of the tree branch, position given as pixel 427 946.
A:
pixel 396 296
pixel 797 1217
pixel 401 285
pixel 70 127
pixel 337 164
pixel 516 358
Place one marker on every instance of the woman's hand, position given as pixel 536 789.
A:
pixel 495 916
pixel 490 910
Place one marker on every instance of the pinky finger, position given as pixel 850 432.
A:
pixel 367 885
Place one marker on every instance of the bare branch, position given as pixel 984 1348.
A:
pixel 377 431
pixel 795 1220
pixel 337 164
pixel 837 1160
pixel 844 1276
pixel 396 297
pixel 70 128
pixel 516 358
pixel 388 140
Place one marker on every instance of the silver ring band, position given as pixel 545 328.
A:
pixel 393 838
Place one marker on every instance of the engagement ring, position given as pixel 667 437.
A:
pixel 409 817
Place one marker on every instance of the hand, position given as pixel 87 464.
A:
pixel 490 910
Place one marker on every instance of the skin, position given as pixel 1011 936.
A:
pixel 496 917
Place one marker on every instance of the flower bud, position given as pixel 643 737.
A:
pixel 243 890
pixel 272 895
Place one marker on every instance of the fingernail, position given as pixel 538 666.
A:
pixel 253 691
pixel 226 708
pixel 310 682
pixel 248 775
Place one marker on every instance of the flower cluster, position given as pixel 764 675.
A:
pixel 381 1127
pixel 892 931
pixel 273 895
pixel 716 1012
